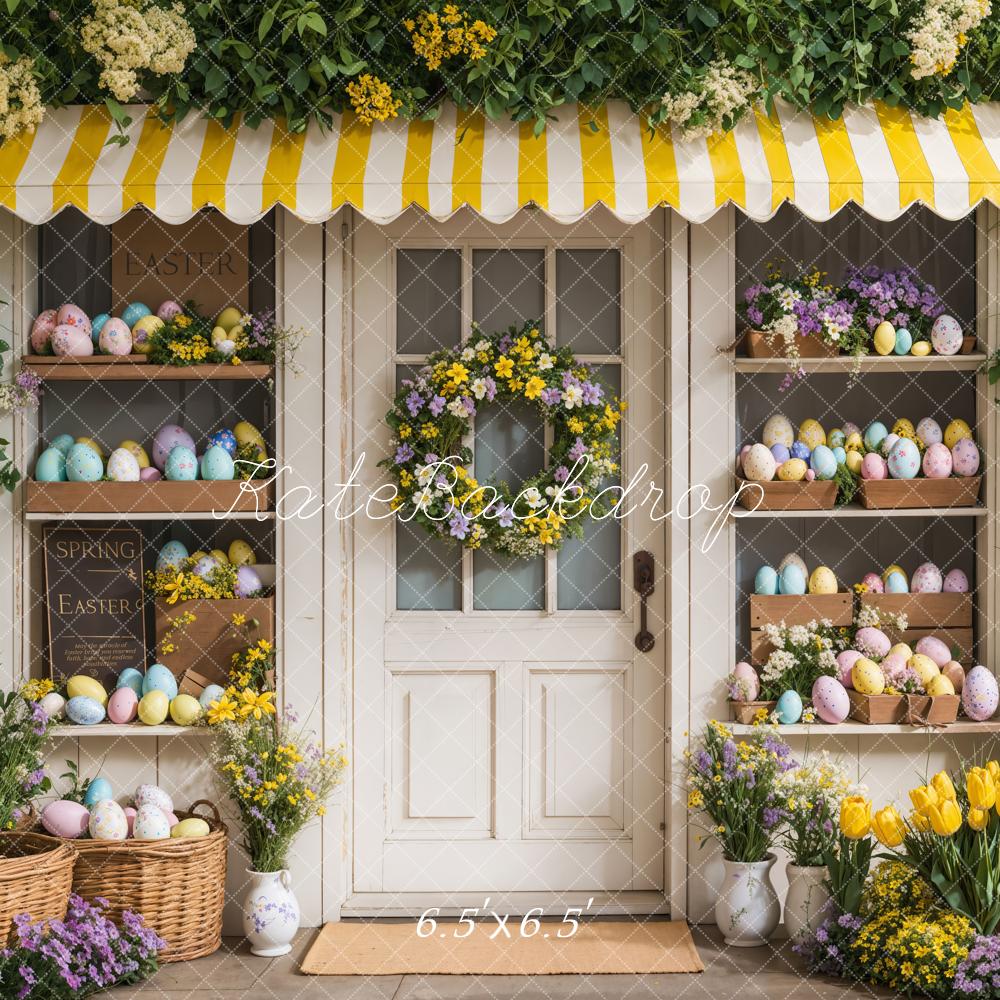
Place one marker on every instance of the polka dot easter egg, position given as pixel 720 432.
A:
pixel 811 433
pixel 830 699
pixel 107 821
pixel 955 582
pixel 224 439
pixel 872 582
pixel 845 664
pixel 759 465
pixel 946 335
pixel 926 579
pixel 980 694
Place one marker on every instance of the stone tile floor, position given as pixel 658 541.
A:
pixel 771 973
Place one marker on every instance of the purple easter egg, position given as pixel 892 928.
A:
pixel 248 582
pixel 955 582
pixel 168 310
pixel 168 437
pixel 845 663
pixel 780 452
pixel 830 699
pixel 150 474
pixel 965 457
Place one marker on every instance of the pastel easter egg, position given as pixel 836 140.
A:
pixel 108 821
pixel 130 678
pixel 85 711
pixel 904 341
pixel 115 337
pixel 91 443
pixel 99 788
pixel 894 663
pixel 793 558
pixel 778 430
pixel 150 474
pixel 955 672
pixel 150 823
pixel 83 464
pixel 182 465
pixel 929 432
pixel 168 437
pixel 933 647
pixel 836 438
pixel 937 461
pixel 894 568
pixel 939 685
pixel 946 335
pixel 854 462
pixel 240 553
pixel 63 442
pixel 874 433
pixel 123 466
pixel 160 678
pixel 71 342
pixel 924 667
pixel 822 581
pixel 789 708
pixel 142 331
pixel 137 450
pixel 96 325
pixel 955 582
pixel 811 433
pixel 904 459
pixel 873 466
pixel 903 427
pixel 955 432
pixel 220 557
pixel 217 464
pixel 90 687
pixel 758 464
pixel 153 708
pixel 223 438
pixel 134 312
pixel 64 818
pixel 823 462
pixel 171 556
pixel 41 331
pixel 887 442
pixel 852 435
pixel 810 475
pixel 765 581
pixel 884 338
pixel 205 566
pixel 213 692
pixel 873 582
pixel 72 315
pixel 926 579
pixel 781 454
pixel 744 451
pixel 840 455
pixel 218 336
pixel 168 310
pixel 920 348
pixel 248 583
pixel 247 435
pixel 965 457
pixel 867 676
pixel 845 664
pixel 830 700
pixel 872 642
pixel 746 680
pixel 123 706
pixel 792 471
pixel 53 705
pixel 51 466
pixel 185 710
pixel 980 694
pixel 895 583
pixel 193 826
pixel 800 450
pixel 153 795
pixel 228 318
pixel 791 580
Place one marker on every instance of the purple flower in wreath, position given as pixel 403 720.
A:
pixel 505 516
pixel 503 344
pixel 403 454
pixel 458 526
pixel 578 450
pixel 430 458
pixel 551 396
pixel 414 402
pixel 491 388
pixel 470 406
pixel 569 379
pixel 592 393
pixel 437 405
pixel 561 474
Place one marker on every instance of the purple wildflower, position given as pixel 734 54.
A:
pixel 551 396
pixel 592 393
pixel 459 526
pixel 414 402
pixel 403 454
pixel 561 474
pixel 437 405
pixel 578 450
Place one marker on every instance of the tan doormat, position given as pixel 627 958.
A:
pixel 601 947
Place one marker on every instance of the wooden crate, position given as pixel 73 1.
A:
pixel 798 609
pixel 877 709
pixel 745 712
pixel 143 498
pixel 777 495
pixel 893 494
pixel 208 643
pixel 957 639
pixel 808 347
pixel 923 710
pixel 926 610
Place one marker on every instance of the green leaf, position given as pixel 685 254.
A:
pixel 266 23
pixel 626 7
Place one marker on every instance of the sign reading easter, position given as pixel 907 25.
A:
pixel 93 579
pixel 205 260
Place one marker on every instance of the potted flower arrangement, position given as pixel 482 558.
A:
pixel 23 726
pixel 278 778
pixel 736 785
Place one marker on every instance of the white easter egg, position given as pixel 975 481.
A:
pixel 123 466
pixel 926 579
pixel 759 465
pixel 778 430
pixel 150 823
pixel 946 335
pixel 108 821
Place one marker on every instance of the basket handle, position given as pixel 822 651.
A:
pixel 216 816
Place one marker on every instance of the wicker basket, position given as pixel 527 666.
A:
pixel 177 885
pixel 36 874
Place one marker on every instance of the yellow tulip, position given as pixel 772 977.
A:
pixel 855 817
pixel 978 818
pixel 889 827
pixel 981 788
pixel 993 766
pixel 943 786
pixel 923 798
pixel 920 822
pixel 945 818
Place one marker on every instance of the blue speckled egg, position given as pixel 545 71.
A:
pixel 98 790
pixel 217 464
pixel 839 454
pixel 904 459
pixel 83 464
pixel 836 438
pixel 874 433
pixel 182 465
pixel 134 312
pixel 766 581
pixel 800 450
pixel 85 711
pixel 904 341
pixel 171 556
pixel 792 580
pixel 159 678
pixel 823 462
pixel 95 326
pixel 895 583
pixel 212 693
pixel 51 466
pixel 63 442
pixel 131 678
pixel 789 708
pixel 224 439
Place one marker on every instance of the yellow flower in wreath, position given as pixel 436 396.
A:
pixel 533 387
pixel 504 367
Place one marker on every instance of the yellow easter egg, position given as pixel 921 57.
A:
pixel 87 687
pixel 955 431
pixel 184 710
pixel 822 581
pixel 240 553
pixel 894 568
pixel 901 649
pixel 228 318
pixel 218 335
pixel 939 684
pixel 867 676
pixel 195 556
pixel 811 433
pixel 136 449
pixel 924 667
pixel 854 442
pixel 93 444
pixel 884 338
pixel 193 826
pixel 904 428
pixel 792 470
pixel 153 708
pixel 920 348
pixel 854 462
pixel 246 434
pixel 219 556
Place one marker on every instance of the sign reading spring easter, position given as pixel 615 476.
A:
pixel 93 579
pixel 206 260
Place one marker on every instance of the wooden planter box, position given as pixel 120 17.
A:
pixel 926 610
pixel 891 494
pixel 144 498
pixel 777 495
pixel 795 609
pixel 208 643
pixel 120 368
pixel 745 712
pixel 809 347
pixel 923 710
pixel 877 709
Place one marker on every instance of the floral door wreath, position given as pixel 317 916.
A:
pixel 431 417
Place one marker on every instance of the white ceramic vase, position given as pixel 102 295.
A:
pixel 747 910
pixel 270 913
pixel 806 902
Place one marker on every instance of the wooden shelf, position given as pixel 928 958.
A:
pixel 821 729
pixel 135 367
pixel 187 515
pixel 136 729
pixel 870 364
pixel 856 510
pixel 162 498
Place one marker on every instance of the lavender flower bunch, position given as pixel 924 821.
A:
pixel 80 955
pixel 899 296
pixel 23 727
pixel 978 975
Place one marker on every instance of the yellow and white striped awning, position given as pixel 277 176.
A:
pixel 882 158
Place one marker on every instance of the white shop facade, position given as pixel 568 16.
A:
pixel 508 738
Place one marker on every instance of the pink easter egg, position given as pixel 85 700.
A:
pixel 168 310
pixel 830 700
pixel 845 663
pixel 115 337
pixel 71 341
pixel 874 583
pixel 72 315
pixel 937 461
pixel 955 582
pixel 168 437
pixel 123 706
pixel 872 642
pixel 873 466
pixel 130 812
pixel 65 819
pixel 743 454
pixel 926 579
pixel 150 474
pixel 965 457
pixel 172 819
pixel 41 331
pixel 850 428
pixel 894 663
pixel 810 475
pixel 747 682
pixel 933 647
pixel 955 672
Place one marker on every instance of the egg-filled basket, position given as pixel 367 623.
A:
pixel 178 885
pixel 36 874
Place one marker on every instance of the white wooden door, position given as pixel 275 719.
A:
pixel 508 736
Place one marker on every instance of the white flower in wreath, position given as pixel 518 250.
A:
pixel 787 298
pixel 532 497
pixel 479 387
pixel 482 345
pixel 545 361
pixel 424 473
pixel 457 408
pixel 478 532
pixel 572 396
pixel 468 354
pixel 422 499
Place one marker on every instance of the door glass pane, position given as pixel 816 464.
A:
pixel 589 569
pixel 428 571
pixel 506 584
pixel 588 301
pixel 428 300
pixel 508 288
